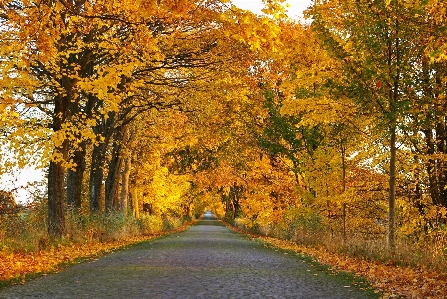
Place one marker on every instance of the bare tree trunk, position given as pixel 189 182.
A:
pixel 112 182
pixel 56 171
pixel 343 162
pixel 98 162
pixel 75 178
pixel 56 199
pixel 431 165
pixel 133 195
pixel 125 184
pixel 393 100
pixel 392 193
pixel 56 194
pixel 96 178
pixel 441 145
pixel 115 167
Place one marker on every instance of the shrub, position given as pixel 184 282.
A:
pixel 150 224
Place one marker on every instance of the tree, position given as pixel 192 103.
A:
pixel 375 47
pixel 7 202
pixel 85 69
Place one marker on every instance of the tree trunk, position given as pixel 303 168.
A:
pixel 56 214
pixel 56 195
pixel 75 178
pixel 112 198
pixel 392 193
pixel 441 146
pixel 343 164
pixel 56 171
pixel 125 185
pixel 134 202
pixel 394 99
pixel 112 182
pixel 98 162
pixel 96 178
pixel 431 166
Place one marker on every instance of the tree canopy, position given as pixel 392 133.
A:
pixel 336 126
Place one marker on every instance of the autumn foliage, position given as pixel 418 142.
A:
pixel 330 133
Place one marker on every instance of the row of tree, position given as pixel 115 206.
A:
pixel 348 125
pixel 341 122
pixel 90 87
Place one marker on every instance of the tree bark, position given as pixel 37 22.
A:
pixel 56 175
pixel 98 162
pixel 441 138
pixel 393 100
pixel 133 196
pixel 431 169
pixel 56 198
pixel 96 178
pixel 56 170
pixel 392 193
pixel 112 182
pixel 125 185
pixel 112 196
pixel 75 179
pixel 343 162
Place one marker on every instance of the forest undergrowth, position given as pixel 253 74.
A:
pixel 411 272
pixel 26 250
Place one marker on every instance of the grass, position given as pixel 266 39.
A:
pixel 355 280
pixel 27 231
pixel 412 272
pixel 427 251
pixel 348 277
pixel 17 266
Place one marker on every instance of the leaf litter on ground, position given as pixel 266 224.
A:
pixel 17 267
pixel 392 281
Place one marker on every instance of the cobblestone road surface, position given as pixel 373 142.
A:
pixel 206 261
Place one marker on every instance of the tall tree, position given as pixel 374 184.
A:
pixel 375 47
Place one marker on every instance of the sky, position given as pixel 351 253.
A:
pixel 294 11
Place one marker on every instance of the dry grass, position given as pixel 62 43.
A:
pixel 27 231
pixel 16 266
pixel 426 251
pixel 417 270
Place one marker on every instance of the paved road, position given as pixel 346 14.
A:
pixel 206 261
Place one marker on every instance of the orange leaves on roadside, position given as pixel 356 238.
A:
pixel 15 266
pixel 391 280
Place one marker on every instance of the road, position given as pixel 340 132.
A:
pixel 206 261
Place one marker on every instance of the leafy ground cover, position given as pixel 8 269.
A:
pixel 389 279
pixel 17 267
pixel 392 280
